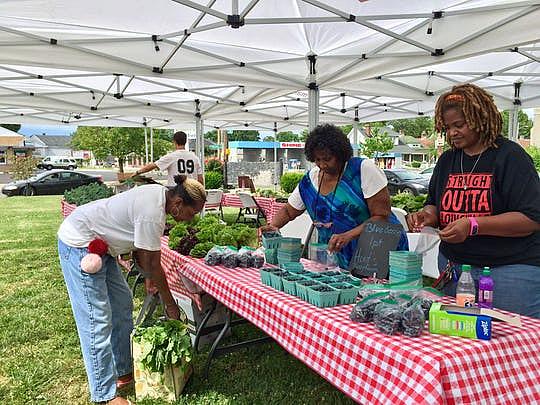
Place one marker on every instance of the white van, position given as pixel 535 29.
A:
pixel 57 162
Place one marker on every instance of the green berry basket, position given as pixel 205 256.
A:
pixel 271 240
pixel 276 281
pixel 347 292
pixel 319 277
pixel 265 275
pixel 302 288
pixel 270 255
pixel 332 273
pixel 290 244
pixel 323 296
pixel 293 267
pixel 346 278
pixel 289 283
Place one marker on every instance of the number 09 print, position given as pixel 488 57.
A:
pixel 185 166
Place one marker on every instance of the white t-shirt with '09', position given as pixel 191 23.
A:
pixel 180 161
pixel 134 219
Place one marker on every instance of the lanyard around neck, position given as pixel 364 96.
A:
pixel 333 193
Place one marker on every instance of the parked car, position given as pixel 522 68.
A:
pixel 57 162
pixel 404 181
pixel 427 172
pixel 52 182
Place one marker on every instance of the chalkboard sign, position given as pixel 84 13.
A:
pixel 371 255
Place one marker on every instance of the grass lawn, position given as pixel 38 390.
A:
pixel 40 356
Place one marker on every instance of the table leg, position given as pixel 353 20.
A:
pixel 201 328
pixel 148 307
pixel 216 351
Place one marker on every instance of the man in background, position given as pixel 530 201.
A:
pixel 180 161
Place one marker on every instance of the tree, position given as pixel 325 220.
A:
pixel 94 139
pixel 287 136
pixel 534 151
pixel 346 128
pixel 375 124
pixel 414 126
pixel 377 143
pixel 524 123
pixel 118 142
pixel 243 135
pixel 11 127
pixel 23 167
pixel 211 135
pixel 304 134
pixel 123 141
pixel 268 139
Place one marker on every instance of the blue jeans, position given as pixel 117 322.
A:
pixel 102 306
pixel 516 286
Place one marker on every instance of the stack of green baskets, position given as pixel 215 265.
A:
pixel 290 250
pixel 406 267
pixel 271 242
pixel 292 267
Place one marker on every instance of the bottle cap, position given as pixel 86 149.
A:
pixel 486 271
pixel 466 267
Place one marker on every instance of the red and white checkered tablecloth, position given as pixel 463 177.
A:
pixel 373 368
pixel 231 200
pixel 172 263
pixel 67 208
pixel 266 204
pixel 276 206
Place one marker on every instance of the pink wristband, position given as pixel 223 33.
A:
pixel 474 226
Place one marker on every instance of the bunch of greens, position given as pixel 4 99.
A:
pixel 176 233
pixel 408 202
pixel 165 343
pixel 187 243
pixel 197 239
pixel 90 192
pixel 201 249
pixel 262 192
pixel 280 196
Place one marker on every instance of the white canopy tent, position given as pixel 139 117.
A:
pixel 238 63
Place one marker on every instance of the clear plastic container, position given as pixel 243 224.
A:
pixel 465 291
pixel 318 252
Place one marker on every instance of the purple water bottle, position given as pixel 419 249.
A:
pixel 485 289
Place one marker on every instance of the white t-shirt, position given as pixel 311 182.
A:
pixel 180 161
pixel 134 219
pixel 373 181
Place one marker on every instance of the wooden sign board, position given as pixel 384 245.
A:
pixel 371 255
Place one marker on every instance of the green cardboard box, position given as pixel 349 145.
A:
pixel 475 323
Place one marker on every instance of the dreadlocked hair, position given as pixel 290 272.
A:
pixel 478 108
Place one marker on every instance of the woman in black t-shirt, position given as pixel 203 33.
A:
pixel 484 195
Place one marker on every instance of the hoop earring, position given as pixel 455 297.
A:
pixel 175 213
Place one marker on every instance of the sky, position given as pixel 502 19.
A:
pixel 47 129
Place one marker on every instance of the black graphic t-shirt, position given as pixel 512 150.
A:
pixel 503 180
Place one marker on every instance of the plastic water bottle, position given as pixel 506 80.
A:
pixel 485 289
pixel 465 291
